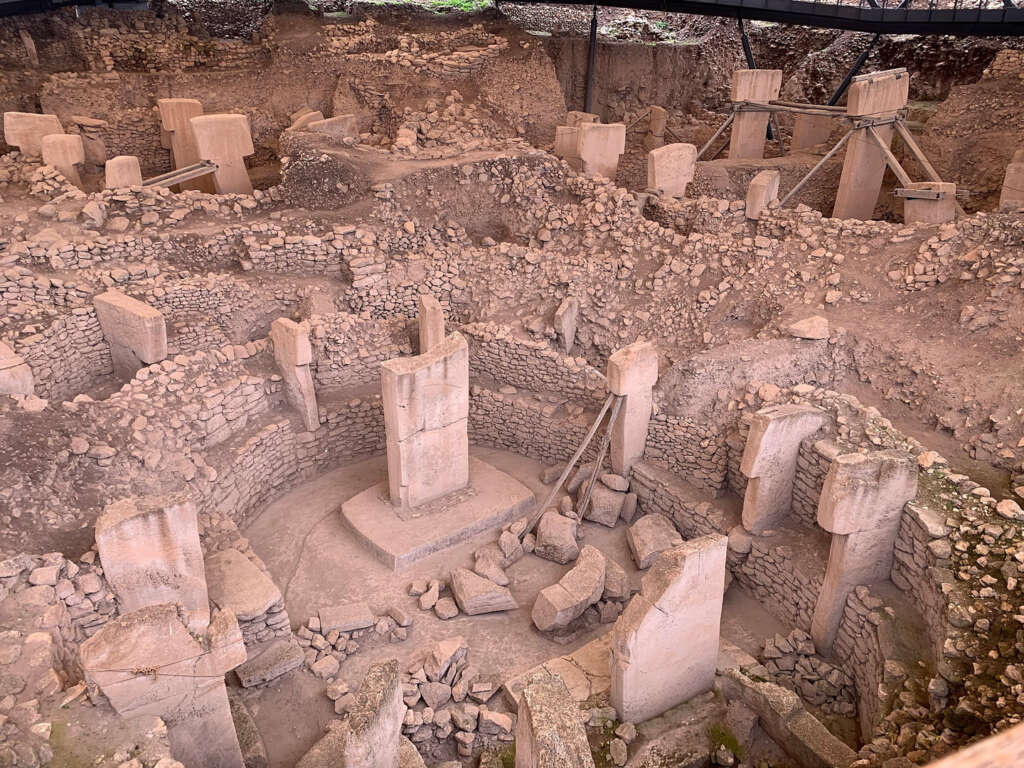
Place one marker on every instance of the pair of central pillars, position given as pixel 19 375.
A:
pixel 861 504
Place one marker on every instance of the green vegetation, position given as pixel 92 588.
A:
pixel 462 6
pixel 721 736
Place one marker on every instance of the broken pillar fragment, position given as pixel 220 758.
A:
pixel 294 354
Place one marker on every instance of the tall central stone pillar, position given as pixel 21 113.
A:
pixel 426 418
pixel 879 95
pixel 749 129
pixel 632 373
pixel 861 505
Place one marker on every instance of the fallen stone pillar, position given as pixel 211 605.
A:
pixel 135 331
pixel 426 417
pixel 762 192
pixel 294 354
pixel 151 554
pixel 656 124
pixel 371 735
pixel 810 131
pixel 15 375
pixel 861 506
pixel 927 210
pixel 302 122
pixel 26 131
pixel 173 675
pixel 549 731
pixel 176 135
pixel 769 462
pixel 750 129
pixel 122 171
pixel 431 318
pixel 1011 199
pixel 582 586
pixel 665 644
pixel 632 373
pixel 64 151
pixel 599 146
pixel 876 96
pixel 226 141
pixel 670 169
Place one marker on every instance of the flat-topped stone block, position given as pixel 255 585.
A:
pixel 64 152
pixel 122 171
pixel 136 332
pixel 236 584
pixel 26 131
pixel 226 141
pixel 670 169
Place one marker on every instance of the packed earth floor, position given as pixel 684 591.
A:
pixel 366 403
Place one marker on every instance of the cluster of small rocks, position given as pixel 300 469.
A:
pixel 338 632
pixel 819 683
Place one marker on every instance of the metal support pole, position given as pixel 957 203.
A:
pixel 834 99
pixel 588 95
pixel 748 53
pixel 815 169
pixel 719 132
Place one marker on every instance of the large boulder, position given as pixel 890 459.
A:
pixel 581 587
pixel 556 538
pixel 649 536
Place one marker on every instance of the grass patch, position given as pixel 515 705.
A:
pixel 460 6
pixel 722 737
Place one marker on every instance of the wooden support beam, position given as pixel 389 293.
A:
pixel 890 158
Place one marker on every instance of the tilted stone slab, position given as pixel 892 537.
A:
pixel 549 729
pixel 337 127
pixel 269 662
pixel 346 618
pixel 236 584
pixel 151 554
pixel 649 536
pixel 136 332
pixel 15 375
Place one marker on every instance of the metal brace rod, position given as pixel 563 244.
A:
pixel 605 441
pixel 535 517
pixel 919 155
pixel 890 158
pixel 719 132
pixel 831 153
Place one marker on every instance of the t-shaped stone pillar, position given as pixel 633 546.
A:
pixel 135 331
pixel 665 644
pixel 599 146
pixel 769 461
pixel 426 417
pixel 294 354
pixel 875 96
pixel 632 373
pixel 186 685
pixel 64 151
pixel 226 141
pixel 749 129
pixel 431 323
pixel 656 124
pixel 861 505
pixel 176 134
pixel 1011 198
pixel 25 130
pixel 670 168
pixel 122 171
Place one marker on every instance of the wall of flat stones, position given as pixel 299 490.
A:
pixel 348 350
pixel 519 424
pixel 531 364
pixel 68 356
pixel 661 491
pixel 780 582
pixel 812 464
pixel 694 451
pixel 300 254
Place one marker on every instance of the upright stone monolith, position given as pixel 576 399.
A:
pixel 549 731
pixel 135 331
pixel 1011 199
pixel 750 129
pixel 65 152
pixel 225 140
pixel 665 644
pixel 177 136
pixel 431 320
pixel 632 373
pixel 294 354
pixel 861 505
pixel 670 169
pixel 26 131
pixel 599 146
pixel 122 171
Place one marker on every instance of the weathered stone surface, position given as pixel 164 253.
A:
pixel 650 536
pixel 136 332
pixel 225 140
pixel 556 538
pixel 236 584
pixel 581 587
pixel 346 618
pixel 632 372
pixel 26 130
pixel 151 554
pixel 670 169
pixel 813 327
pixel 605 505
pixel 549 730
pixel 476 595
pixel 665 644
pixel 269 661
